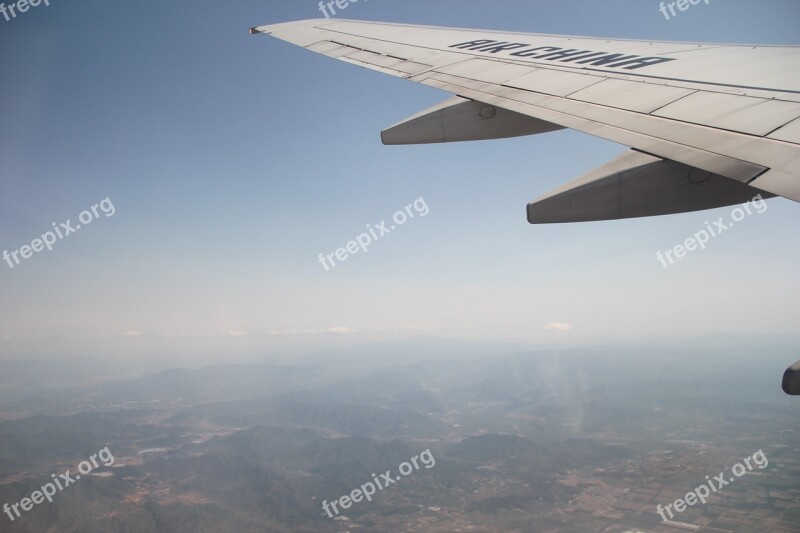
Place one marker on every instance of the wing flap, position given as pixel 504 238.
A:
pixel 789 133
pixel 745 114
pixel 331 49
pixel 553 82
pixel 485 70
pixel 630 95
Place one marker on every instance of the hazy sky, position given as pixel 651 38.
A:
pixel 232 161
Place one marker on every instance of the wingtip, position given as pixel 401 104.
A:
pixel 270 29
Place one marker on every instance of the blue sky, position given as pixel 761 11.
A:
pixel 234 160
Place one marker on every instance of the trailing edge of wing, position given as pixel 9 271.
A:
pixel 638 185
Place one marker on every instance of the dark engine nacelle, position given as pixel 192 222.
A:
pixel 791 380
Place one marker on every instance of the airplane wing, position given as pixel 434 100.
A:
pixel 708 125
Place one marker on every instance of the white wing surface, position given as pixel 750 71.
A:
pixel 708 124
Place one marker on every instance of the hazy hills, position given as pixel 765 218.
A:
pixel 562 441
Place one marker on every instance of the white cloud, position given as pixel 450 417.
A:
pixel 347 330
pixel 340 329
pixel 404 328
pixel 335 330
pixel 558 326
pixel 131 333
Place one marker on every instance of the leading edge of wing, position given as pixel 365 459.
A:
pixel 271 29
